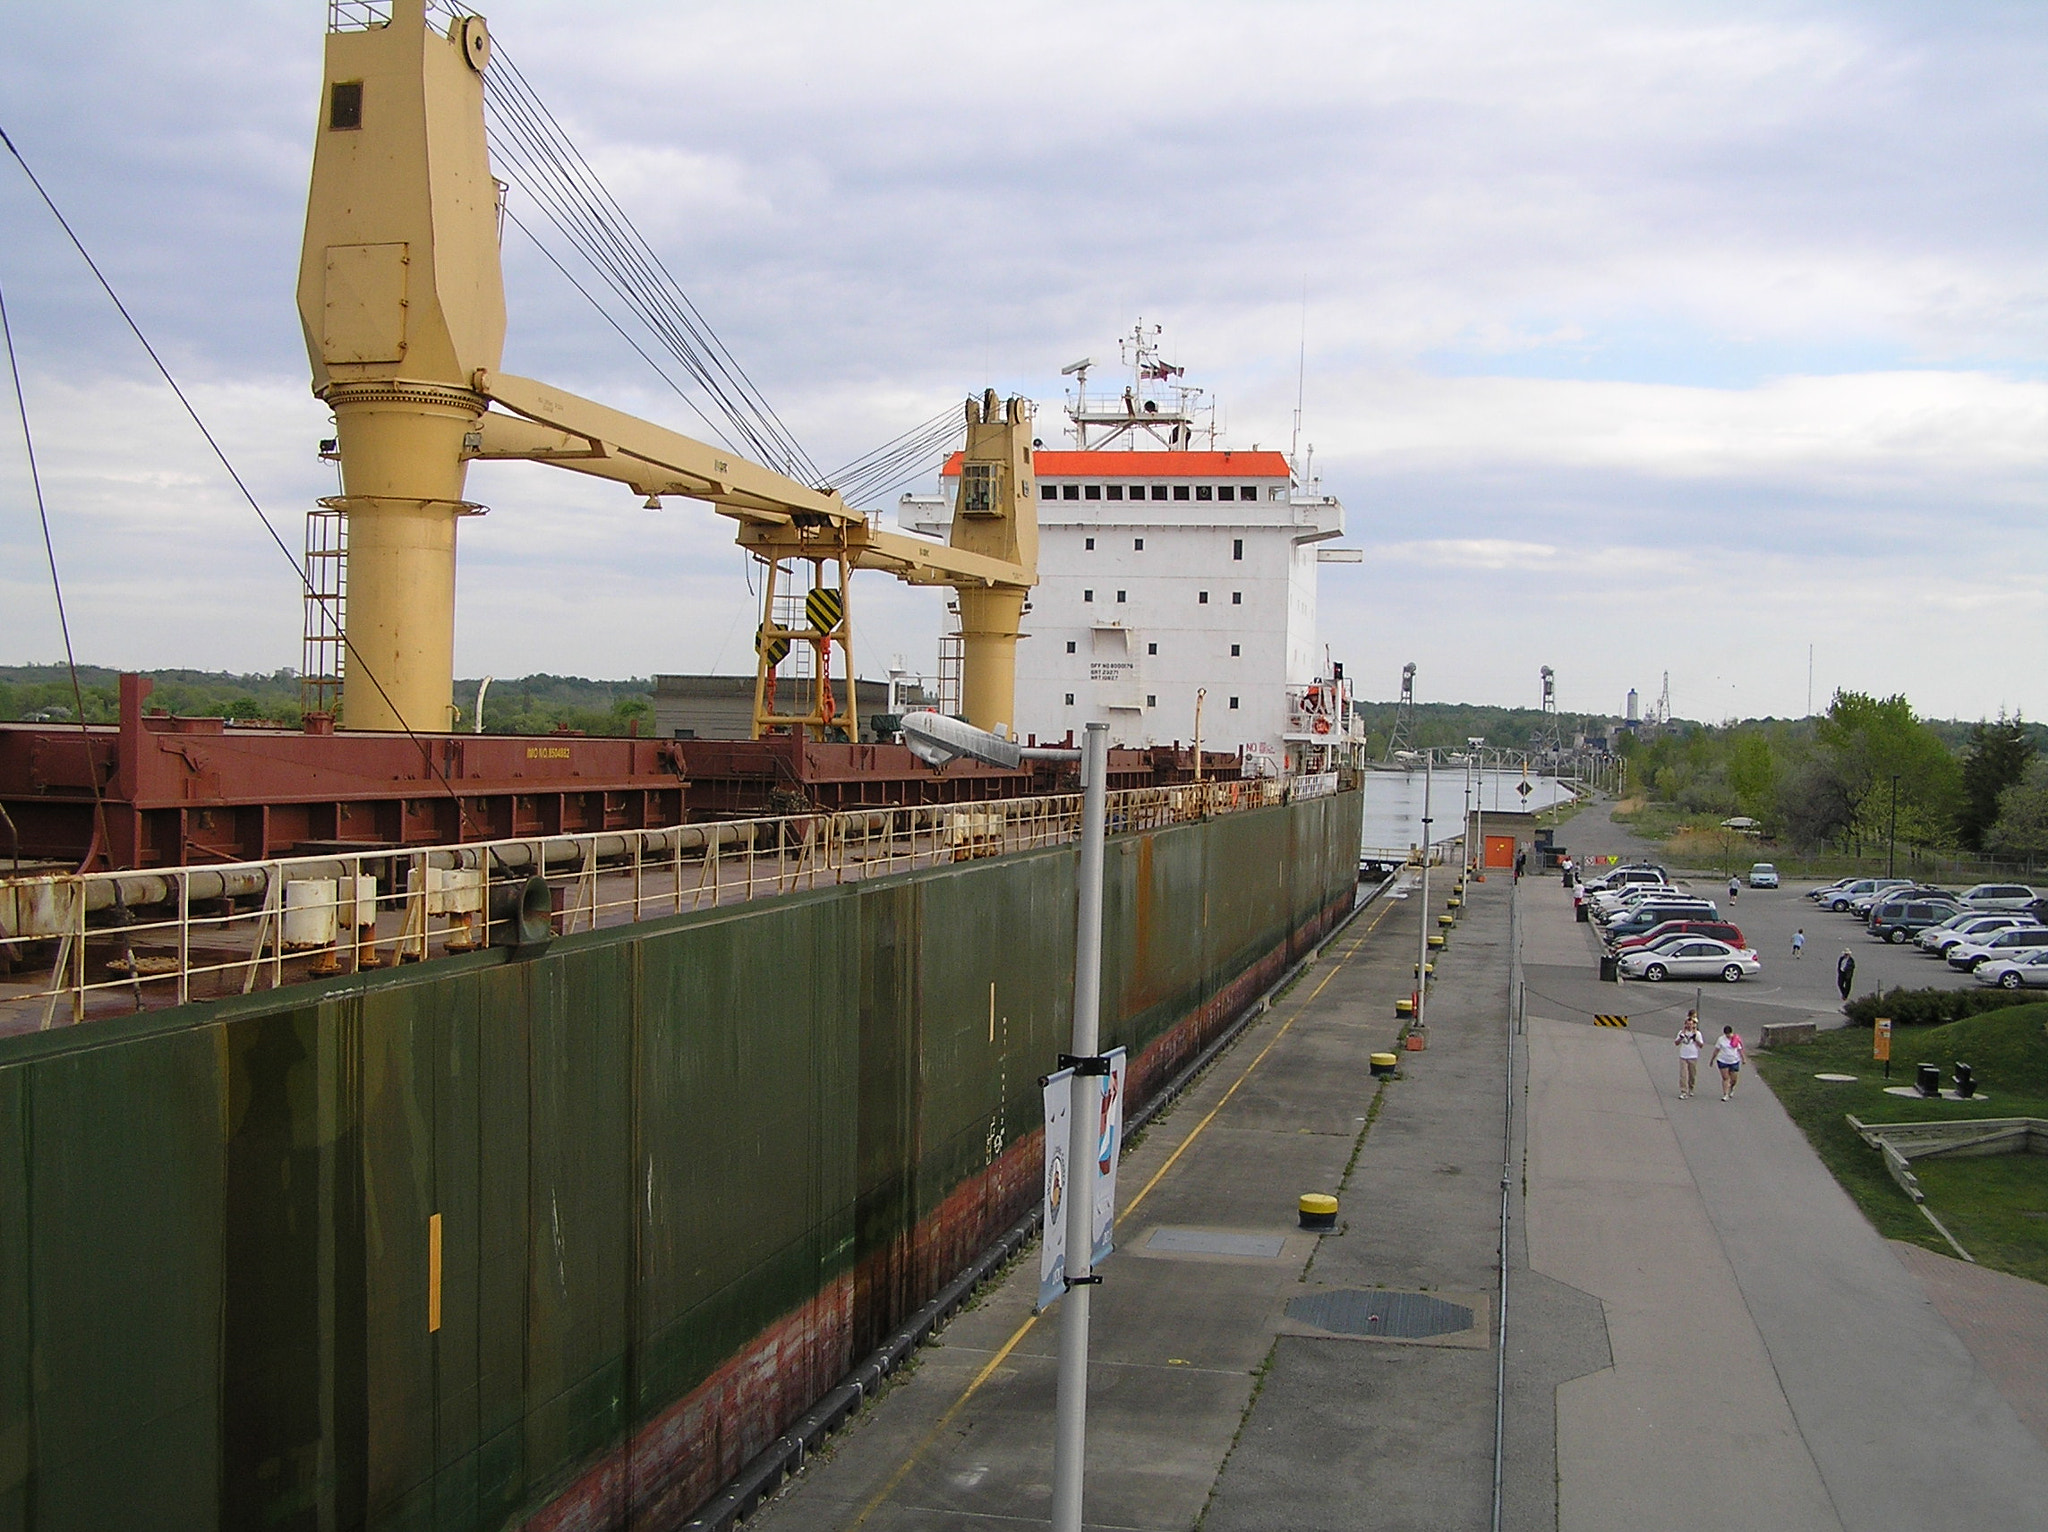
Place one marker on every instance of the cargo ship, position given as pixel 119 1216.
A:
pixel 405 1128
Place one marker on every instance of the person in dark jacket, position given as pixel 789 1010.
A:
pixel 1845 973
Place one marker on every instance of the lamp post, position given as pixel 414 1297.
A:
pixel 1422 923
pixel 937 739
pixel 1891 846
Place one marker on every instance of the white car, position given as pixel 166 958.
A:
pixel 1763 875
pixel 1635 893
pixel 1999 896
pixel 1700 958
pixel 2030 972
pixel 2019 941
pixel 1967 926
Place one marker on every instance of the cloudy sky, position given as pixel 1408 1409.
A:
pixel 1638 338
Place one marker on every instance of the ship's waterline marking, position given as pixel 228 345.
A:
pixel 1003 1352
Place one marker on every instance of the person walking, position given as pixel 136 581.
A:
pixel 1799 942
pixel 1728 1059
pixel 1690 1044
pixel 1845 973
pixel 1734 889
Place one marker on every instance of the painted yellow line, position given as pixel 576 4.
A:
pixel 945 1420
pixel 903 1469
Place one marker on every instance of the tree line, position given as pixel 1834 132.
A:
pixel 1864 772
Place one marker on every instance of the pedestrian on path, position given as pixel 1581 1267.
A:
pixel 1799 942
pixel 1734 890
pixel 1728 1059
pixel 1690 1044
pixel 1845 973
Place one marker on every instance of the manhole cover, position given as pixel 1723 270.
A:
pixel 1216 1242
pixel 1405 1316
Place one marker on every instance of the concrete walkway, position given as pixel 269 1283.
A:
pixel 1702 1330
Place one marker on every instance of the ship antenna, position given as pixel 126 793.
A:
pixel 1300 382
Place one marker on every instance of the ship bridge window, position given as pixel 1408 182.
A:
pixel 1138 543
pixel 1237 598
pixel 1048 492
pixel 1070 699
pixel 1088 543
pixel 345 105
pixel 1137 492
pixel 1070 646
pixel 1070 492
pixel 1201 598
pixel 1248 492
pixel 1159 492
pixel 1151 648
pixel 1237 547
pixel 1180 492
pixel 1151 699
pixel 1204 492
pixel 1092 492
pixel 1233 702
pixel 1236 650
pixel 1087 595
pixel 1116 492
pixel 1226 492
pixel 1120 595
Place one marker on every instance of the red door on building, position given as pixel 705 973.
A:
pixel 1500 851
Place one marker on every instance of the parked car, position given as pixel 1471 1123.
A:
pixel 1820 895
pixel 1720 930
pixel 1999 896
pixel 1967 926
pixel 1900 920
pixel 2016 942
pixel 1657 913
pixel 1699 958
pixel 2029 972
pixel 1863 904
pixel 1622 878
pixel 1763 875
pixel 1839 898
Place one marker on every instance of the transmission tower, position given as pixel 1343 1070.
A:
pixel 1403 735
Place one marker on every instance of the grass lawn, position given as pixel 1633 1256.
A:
pixel 1985 1202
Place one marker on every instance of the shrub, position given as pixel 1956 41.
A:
pixel 1931 1007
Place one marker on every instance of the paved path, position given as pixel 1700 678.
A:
pixel 1702 1331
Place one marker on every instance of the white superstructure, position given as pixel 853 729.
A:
pixel 1165 571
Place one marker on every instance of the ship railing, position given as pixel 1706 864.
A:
pixel 78 946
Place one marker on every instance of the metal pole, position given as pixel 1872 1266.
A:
pixel 1422 932
pixel 1070 1418
pixel 1891 845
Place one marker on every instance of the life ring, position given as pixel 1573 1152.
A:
pixel 1322 725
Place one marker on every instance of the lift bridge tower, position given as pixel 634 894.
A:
pixel 1549 740
pixel 1403 735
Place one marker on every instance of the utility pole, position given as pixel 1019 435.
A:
pixel 1070 1416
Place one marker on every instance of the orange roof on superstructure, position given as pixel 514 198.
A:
pixel 1115 464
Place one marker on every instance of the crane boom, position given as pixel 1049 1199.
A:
pixel 401 295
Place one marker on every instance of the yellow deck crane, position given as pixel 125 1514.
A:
pixel 401 293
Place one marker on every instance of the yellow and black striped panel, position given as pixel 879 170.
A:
pixel 774 649
pixel 824 607
pixel 1610 1021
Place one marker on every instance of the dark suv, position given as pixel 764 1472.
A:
pixel 1900 920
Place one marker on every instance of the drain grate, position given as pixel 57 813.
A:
pixel 1216 1242
pixel 1402 1316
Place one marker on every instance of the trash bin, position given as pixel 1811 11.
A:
pixel 1581 912
pixel 1927 1079
pixel 1966 1080
pixel 1610 968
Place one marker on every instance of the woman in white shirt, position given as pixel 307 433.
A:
pixel 1728 1059
pixel 1690 1044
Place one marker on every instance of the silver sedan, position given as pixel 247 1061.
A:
pixel 1700 958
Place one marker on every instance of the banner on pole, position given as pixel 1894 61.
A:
pixel 1108 1099
pixel 1052 1244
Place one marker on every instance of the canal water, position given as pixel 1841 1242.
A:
pixel 1393 803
